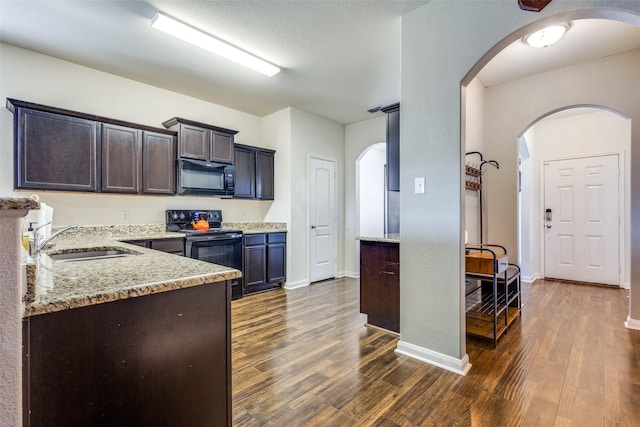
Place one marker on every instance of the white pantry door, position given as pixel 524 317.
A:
pixel 322 216
pixel 581 220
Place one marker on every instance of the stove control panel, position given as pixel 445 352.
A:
pixel 182 219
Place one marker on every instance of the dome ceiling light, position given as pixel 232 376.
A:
pixel 546 36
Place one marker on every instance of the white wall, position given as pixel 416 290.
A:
pixel 358 137
pixel 610 82
pixel 33 77
pixel 294 134
pixel 442 42
pixel 276 134
pixel 474 141
pixel 371 177
pixel 597 133
pixel 529 256
pixel 312 136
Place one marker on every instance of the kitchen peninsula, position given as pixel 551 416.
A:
pixel 140 338
pixel 380 280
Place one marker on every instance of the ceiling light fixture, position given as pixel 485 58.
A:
pixel 196 37
pixel 546 36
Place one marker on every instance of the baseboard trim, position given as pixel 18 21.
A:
pixel 352 274
pixel 532 278
pixel 296 285
pixel 458 366
pixel 632 323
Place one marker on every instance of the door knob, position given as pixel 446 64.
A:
pixel 548 225
pixel 313 227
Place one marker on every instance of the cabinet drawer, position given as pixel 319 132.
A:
pixel 276 238
pixel 254 239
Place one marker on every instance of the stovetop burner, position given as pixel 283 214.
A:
pixel 197 223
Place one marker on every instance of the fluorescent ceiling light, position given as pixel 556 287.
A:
pixel 178 29
pixel 547 36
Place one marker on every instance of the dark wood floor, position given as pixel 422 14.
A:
pixel 304 358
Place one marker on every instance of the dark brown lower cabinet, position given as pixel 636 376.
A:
pixel 173 246
pixel 156 360
pixel 380 284
pixel 265 261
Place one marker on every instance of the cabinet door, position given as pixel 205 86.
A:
pixel 55 152
pixel 244 163
pixel 380 284
pixel 264 175
pixel 158 163
pixel 194 142
pixel 255 272
pixel 221 147
pixel 172 246
pixel 276 267
pixel 120 159
pixel 124 362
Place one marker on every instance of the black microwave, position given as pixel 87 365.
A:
pixel 198 177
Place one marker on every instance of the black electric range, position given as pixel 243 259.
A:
pixel 216 245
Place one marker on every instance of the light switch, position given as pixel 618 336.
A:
pixel 419 186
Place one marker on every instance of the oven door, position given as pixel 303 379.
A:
pixel 225 249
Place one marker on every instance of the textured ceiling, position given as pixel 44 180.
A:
pixel 339 58
pixel 586 40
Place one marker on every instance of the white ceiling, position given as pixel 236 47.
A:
pixel 586 40
pixel 339 58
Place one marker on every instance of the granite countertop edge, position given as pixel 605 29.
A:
pixel 55 286
pixel 18 203
pixel 387 238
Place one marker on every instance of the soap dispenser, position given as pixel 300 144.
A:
pixel 28 238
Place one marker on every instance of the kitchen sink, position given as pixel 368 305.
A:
pixel 91 254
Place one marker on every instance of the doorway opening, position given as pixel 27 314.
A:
pixel 566 139
pixel 371 194
pixel 496 119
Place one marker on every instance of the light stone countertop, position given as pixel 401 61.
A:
pixel 22 203
pixel 386 238
pixel 257 227
pixel 66 285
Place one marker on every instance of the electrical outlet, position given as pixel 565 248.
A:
pixel 419 185
pixel 125 215
pixel 245 215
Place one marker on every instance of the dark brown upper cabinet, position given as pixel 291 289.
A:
pixel 264 174
pixel 202 141
pixel 120 159
pixel 58 149
pixel 244 162
pixel 158 163
pixel 135 161
pixel 54 151
pixel 254 172
pixel 393 146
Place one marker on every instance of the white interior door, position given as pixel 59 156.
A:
pixel 582 219
pixel 322 216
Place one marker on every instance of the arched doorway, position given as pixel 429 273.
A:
pixel 574 132
pixel 505 226
pixel 370 190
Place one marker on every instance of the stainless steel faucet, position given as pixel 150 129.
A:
pixel 37 237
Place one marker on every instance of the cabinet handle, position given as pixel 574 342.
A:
pixel 387 272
